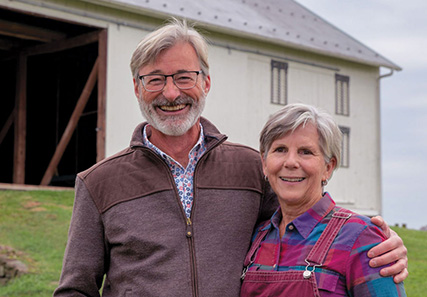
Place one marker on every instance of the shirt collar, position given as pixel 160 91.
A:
pixel 308 220
pixel 201 144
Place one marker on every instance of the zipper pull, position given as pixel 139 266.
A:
pixel 189 229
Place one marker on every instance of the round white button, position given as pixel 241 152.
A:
pixel 306 274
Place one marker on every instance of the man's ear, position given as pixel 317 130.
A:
pixel 207 84
pixel 136 86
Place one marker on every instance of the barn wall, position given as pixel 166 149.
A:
pixel 239 101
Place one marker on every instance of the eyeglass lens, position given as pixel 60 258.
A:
pixel 183 80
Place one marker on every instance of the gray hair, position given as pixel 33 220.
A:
pixel 289 118
pixel 166 37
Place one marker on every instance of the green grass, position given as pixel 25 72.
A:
pixel 416 243
pixel 36 223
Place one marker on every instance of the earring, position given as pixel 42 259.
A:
pixel 265 177
pixel 324 182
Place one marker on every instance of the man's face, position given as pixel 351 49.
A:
pixel 173 111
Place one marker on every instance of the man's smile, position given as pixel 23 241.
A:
pixel 172 107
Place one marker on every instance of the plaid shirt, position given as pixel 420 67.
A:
pixel 346 271
pixel 183 176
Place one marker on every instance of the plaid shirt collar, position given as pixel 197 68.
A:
pixel 306 222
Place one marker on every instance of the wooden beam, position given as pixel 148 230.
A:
pixel 23 31
pixel 54 47
pixel 7 45
pixel 62 44
pixel 71 126
pixel 20 121
pixel 7 126
pixel 102 85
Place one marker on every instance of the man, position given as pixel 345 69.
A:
pixel 173 214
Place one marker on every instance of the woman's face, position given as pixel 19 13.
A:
pixel 295 167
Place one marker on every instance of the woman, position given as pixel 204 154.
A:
pixel 310 247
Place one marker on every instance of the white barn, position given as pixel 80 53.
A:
pixel 263 55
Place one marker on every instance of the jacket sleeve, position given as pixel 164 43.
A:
pixel 269 203
pixel 84 260
pixel 363 280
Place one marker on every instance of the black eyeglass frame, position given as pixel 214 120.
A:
pixel 173 80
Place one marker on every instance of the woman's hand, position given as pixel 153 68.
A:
pixel 389 251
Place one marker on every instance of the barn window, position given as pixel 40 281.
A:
pixel 279 82
pixel 345 147
pixel 342 95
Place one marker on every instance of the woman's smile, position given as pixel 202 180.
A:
pixel 295 167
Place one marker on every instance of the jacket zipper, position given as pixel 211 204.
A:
pixel 189 224
pixel 189 234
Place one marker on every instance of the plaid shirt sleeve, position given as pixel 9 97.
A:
pixel 363 280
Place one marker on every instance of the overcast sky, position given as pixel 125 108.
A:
pixel 398 31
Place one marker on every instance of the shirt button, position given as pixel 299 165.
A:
pixel 291 227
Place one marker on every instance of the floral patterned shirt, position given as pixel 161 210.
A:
pixel 183 176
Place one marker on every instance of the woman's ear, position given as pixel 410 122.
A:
pixel 264 166
pixel 330 166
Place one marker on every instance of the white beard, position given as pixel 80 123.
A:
pixel 172 125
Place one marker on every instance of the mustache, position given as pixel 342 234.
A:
pixel 162 101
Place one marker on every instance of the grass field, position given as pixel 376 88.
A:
pixel 36 224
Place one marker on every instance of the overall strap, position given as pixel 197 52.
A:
pixel 318 252
pixel 255 244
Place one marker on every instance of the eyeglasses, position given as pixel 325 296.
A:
pixel 183 80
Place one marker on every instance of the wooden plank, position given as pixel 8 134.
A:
pixel 102 85
pixel 20 121
pixel 15 187
pixel 7 126
pixel 64 44
pixel 72 124
pixel 23 31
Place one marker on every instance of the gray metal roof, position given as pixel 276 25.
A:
pixel 283 22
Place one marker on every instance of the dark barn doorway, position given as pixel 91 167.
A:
pixel 52 107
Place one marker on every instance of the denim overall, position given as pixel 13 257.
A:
pixel 291 283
